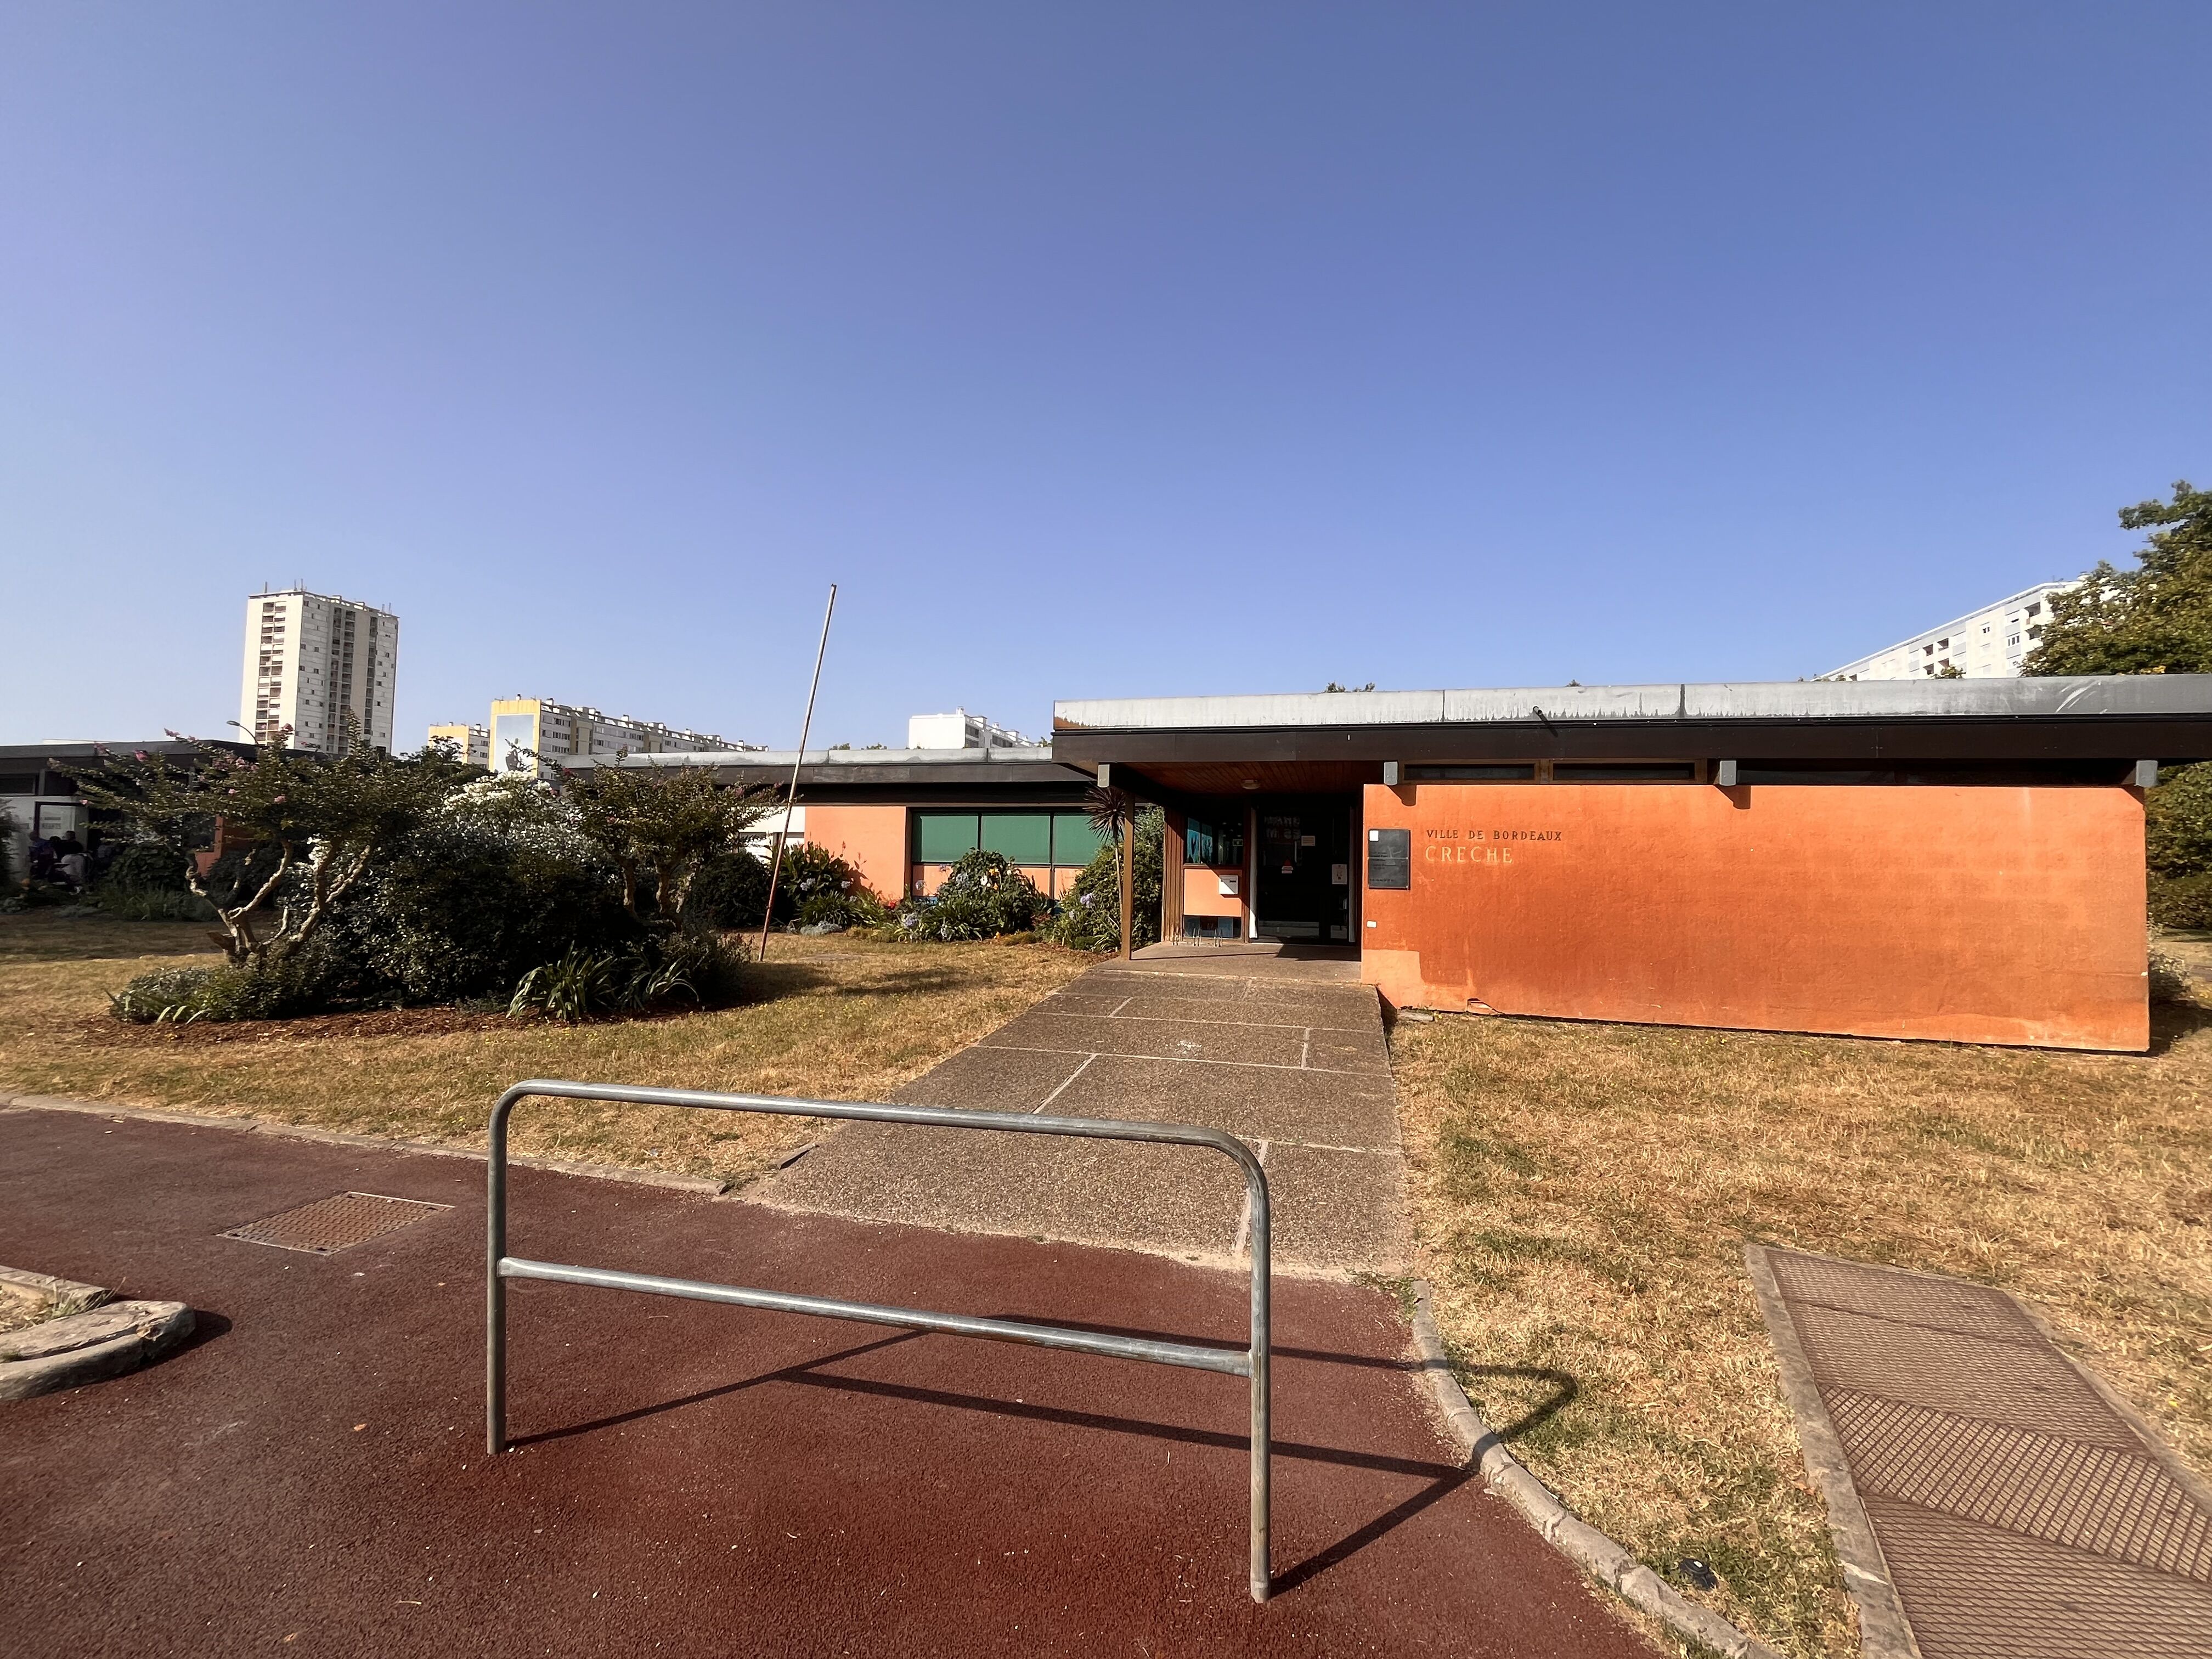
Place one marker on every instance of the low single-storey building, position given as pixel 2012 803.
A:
pixel 902 817
pixel 1944 858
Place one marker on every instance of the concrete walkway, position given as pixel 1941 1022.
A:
pixel 307 1476
pixel 1287 1055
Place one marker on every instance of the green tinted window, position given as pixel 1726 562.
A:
pixel 943 837
pixel 1022 838
pixel 1073 840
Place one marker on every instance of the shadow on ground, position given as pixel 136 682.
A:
pixel 1440 1479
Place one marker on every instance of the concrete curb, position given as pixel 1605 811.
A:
pixel 56 1297
pixel 368 1143
pixel 1609 1562
pixel 158 1327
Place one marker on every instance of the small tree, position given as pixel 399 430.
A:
pixel 662 822
pixel 2155 619
pixel 1113 814
pixel 316 823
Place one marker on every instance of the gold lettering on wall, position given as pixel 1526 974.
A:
pixel 1446 832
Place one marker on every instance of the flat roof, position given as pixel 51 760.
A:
pixel 1342 739
pixel 2077 696
pixel 868 773
pixel 86 749
pixel 1027 754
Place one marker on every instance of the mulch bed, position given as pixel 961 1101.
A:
pixel 317 1028
pixel 312 1028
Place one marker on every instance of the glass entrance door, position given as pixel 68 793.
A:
pixel 1302 855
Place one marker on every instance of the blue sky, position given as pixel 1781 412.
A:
pixel 1093 351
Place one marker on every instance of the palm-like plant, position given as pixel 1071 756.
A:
pixel 1112 810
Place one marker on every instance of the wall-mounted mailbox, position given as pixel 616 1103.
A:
pixel 1225 884
pixel 1390 858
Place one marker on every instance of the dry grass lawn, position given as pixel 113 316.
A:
pixel 829 1017
pixel 1583 1194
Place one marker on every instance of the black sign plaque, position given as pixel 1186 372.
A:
pixel 1390 858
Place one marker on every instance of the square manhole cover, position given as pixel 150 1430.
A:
pixel 337 1223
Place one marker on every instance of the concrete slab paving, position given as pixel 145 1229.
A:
pixel 1346 1013
pixel 1066 1003
pixel 1327 1108
pixel 308 1475
pixel 995 1079
pixel 1183 1201
pixel 1254 1045
pixel 1339 1209
pixel 1261 959
pixel 1221 988
pixel 1299 1068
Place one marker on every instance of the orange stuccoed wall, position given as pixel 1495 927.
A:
pixel 1971 914
pixel 871 839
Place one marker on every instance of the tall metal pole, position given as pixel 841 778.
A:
pixel 791 799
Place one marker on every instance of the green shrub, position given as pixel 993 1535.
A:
pixel 145 882
pixel 857 908
pixel 815 885
pixel 1090 917
pixel 2182 901
pixel 578 984
pixel 154 867
pixel 139 904
pixel 166 996
pixel 304 981
pixel 983 897
pixel 818 888
pixel 583 984
pixel 466 904
pixel 2178 823
pixel 731 890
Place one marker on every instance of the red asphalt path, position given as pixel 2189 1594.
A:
pixel 309 1477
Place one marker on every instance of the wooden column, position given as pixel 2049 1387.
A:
pixel 1171 876
pixel 1128 883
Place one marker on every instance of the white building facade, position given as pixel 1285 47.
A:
pixel 311 661
pixel 554 731
pixel 1985 644
pixel 960 730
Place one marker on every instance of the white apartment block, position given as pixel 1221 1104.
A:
pixel 311 660
pixel 553 729
pixel 959 729
pixel 1985 644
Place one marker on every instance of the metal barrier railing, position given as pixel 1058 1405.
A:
pixel 1252 1362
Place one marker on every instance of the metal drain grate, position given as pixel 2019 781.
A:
pixel 2021 1515
pixel 337 1223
